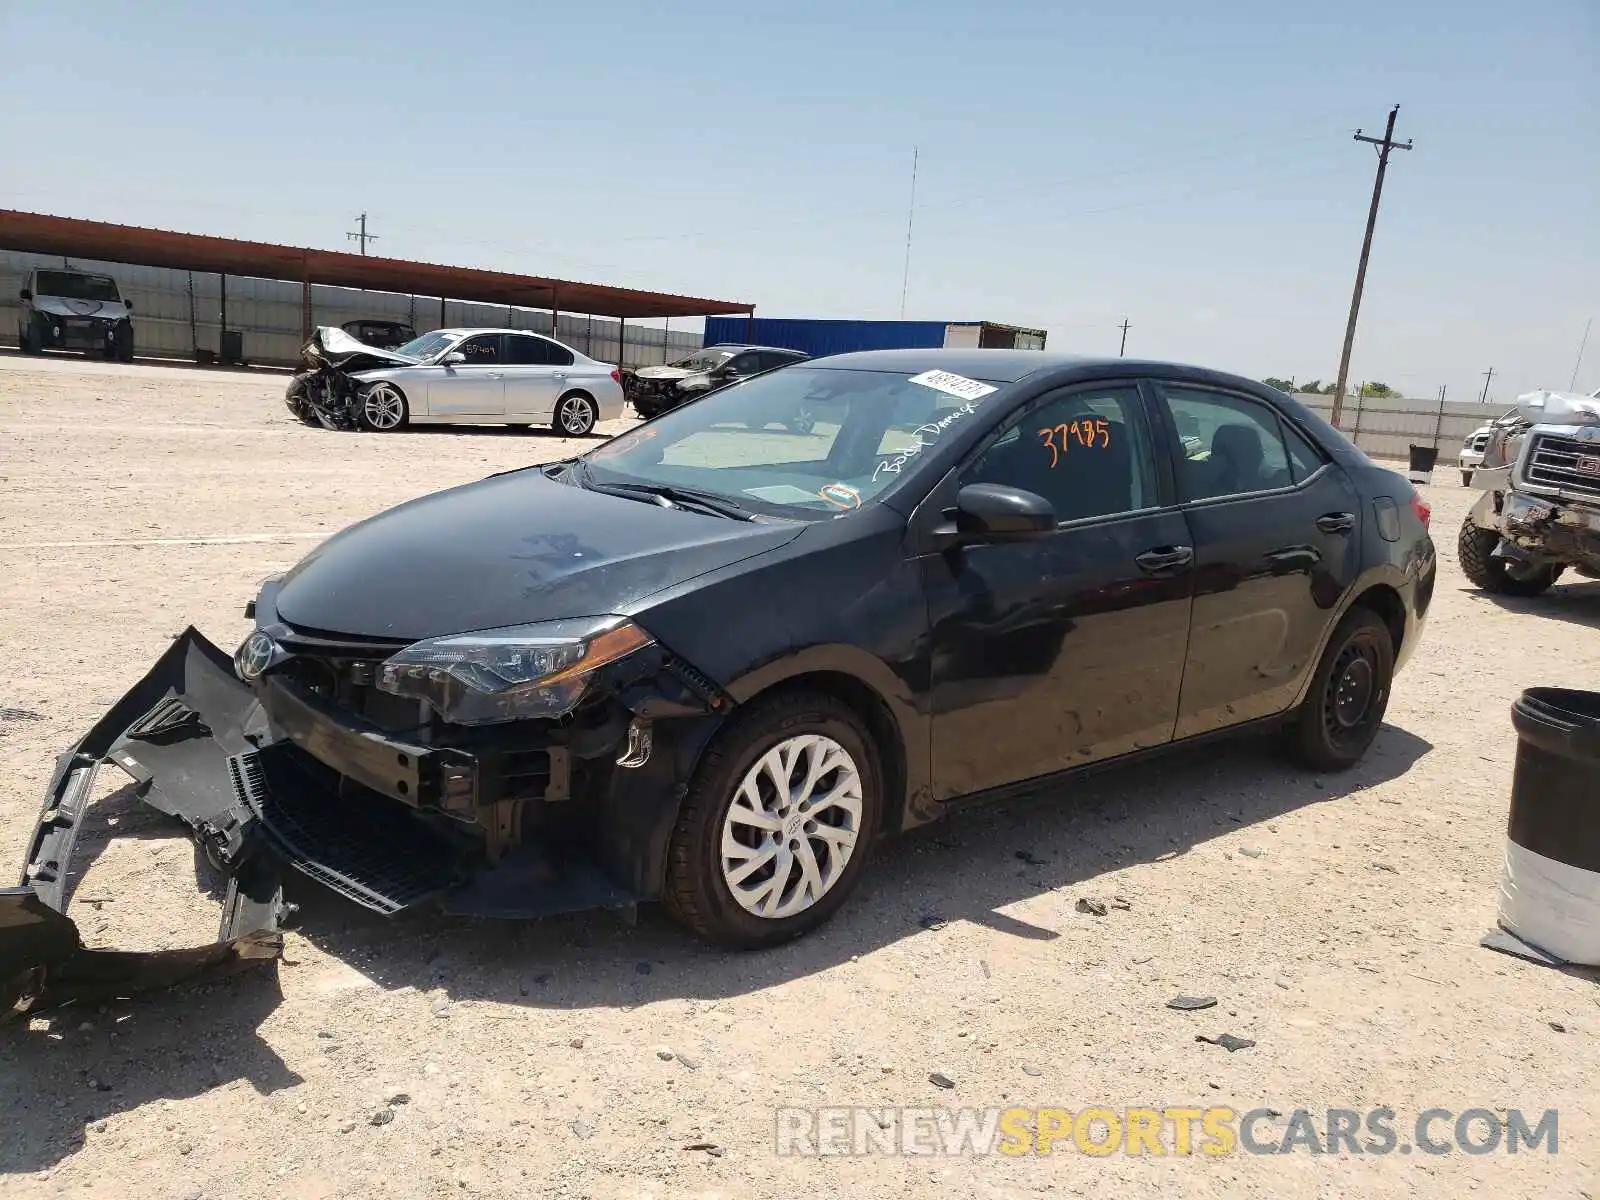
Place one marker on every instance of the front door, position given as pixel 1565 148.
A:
pixel 1055 652
pixel 1277 536
pixel 474 388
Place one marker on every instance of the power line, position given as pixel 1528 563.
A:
pixel 361 235
pixel 1384 144
pixel 1488 376
pixel 1124 327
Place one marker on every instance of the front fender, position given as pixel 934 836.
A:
pixel 1485 514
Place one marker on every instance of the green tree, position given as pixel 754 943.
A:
pixel 1283 385
pixel 1314 388
pixel 1380 389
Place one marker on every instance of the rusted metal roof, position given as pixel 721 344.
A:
pixel 73 238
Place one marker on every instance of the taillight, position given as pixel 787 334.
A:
pixel 616 375
pixel 1420 507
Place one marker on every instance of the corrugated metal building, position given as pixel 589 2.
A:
pixel 818 338
pixel 177 312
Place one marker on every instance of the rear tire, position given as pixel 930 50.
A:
pixel 575 415
pixel 1466 479
pixel 817 835
pixel 1348 696
pixel 24 342
pixel 1475 549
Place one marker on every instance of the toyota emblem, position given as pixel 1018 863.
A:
pixel 255 656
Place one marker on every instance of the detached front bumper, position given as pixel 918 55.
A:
pixel 264 782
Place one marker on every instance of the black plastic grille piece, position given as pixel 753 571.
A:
pixel 364 846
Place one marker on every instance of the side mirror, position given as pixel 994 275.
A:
pixel 993 511
pixel 26 293
pixel 454 358
pixel 128 304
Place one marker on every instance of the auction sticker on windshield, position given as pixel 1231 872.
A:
pixel 954 385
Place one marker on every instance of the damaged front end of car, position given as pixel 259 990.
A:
pixel 511 777
pixel 324 392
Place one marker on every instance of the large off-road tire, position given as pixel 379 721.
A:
pixel 1475 549
pixel 778 822
pixel 576 414
pixel 1348 696
pixel 383 409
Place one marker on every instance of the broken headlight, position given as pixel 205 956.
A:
pixel 511 674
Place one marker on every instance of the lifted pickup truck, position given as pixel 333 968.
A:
pixel 1540 510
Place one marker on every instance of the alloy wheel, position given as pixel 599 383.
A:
pixel 576 416
pixel 792 827
pixel 384 408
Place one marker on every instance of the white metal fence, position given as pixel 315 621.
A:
pixel 176 313
pixel 1388 426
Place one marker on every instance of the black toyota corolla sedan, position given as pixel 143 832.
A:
pixel 713 660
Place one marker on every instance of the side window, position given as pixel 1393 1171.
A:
pixel 481 351
pixel 742 364
pixel 1086 451
pixel 525 351
pixel 1304 458
pixel 1229 445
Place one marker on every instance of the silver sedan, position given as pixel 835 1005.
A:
pixel 489 377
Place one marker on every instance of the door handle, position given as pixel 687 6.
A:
pixel 1164 559
pixel 1336 522
pixel 491 374
pixel 560 375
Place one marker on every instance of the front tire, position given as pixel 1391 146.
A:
pixel 24 342
pixel 1475 549
pixel 384 409
pixel 1349 694
pixel 575 415
pixel 778 823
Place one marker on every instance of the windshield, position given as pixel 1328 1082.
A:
pixel 426 346
pixel 804 441
pixel 703 360
pixel 71 286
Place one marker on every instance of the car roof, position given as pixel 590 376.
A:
pixel 490 329
pixel 739 346
pixel 998 366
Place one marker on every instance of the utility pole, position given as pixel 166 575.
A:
pixel 361 235
pixel 1384 145
pixel 911 216
pixel 1124 327
pixel 1487 376
pixel 1582 346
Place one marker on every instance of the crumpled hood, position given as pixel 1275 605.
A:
pixel 507 550
pixel 333 347
pixel 664 372
pixel 1560 408
pixel 62 306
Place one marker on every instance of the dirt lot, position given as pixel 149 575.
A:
pixel 1336 919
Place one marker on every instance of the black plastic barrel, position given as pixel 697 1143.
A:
pixel 1421 465
pixel 1550 892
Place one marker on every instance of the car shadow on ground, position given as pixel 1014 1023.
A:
pixel 1575 603
pixel 967 868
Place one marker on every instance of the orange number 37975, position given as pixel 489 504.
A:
pixel 1089 432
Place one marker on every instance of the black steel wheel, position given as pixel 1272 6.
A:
pixel 1348 696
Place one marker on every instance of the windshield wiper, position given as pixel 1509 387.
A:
pixel 675 497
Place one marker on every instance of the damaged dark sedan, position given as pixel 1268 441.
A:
pixel 712 661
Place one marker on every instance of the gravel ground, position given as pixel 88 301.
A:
pixel 1335 919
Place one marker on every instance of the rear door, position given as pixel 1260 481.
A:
pixel 535 373
pixel 474 388
pixel 1277 536
pixel 1067 649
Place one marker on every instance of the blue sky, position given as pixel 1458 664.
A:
pixel 1186 165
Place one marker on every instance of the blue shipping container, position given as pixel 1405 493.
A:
pixel 818 338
